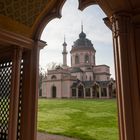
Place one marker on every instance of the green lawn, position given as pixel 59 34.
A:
pixel 83 119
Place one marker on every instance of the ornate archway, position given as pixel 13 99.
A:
pixel 21 33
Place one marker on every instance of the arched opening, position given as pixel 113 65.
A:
pixel 22 30
pixel 95 91
pixel 103 92
pixel 86 58
pixel 53 77
pixel 80 91
pixel 54 92
pixel 90 78
pixel 76 59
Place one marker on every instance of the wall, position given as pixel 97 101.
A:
pixel 58 85
pixel 66 90
pixel 79 75
pixel 44 89
pixel 102 77
pixel 81 55
pixel 101 69
pixel 89 74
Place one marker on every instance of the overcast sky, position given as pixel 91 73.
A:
pixel 70 26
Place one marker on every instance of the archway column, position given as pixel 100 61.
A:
pixel 84 92
pixel 91 92
pixel 76 92
pixel 14 97
pixel 100 95
pixel 107 91
pixel 126 42
pixel 28 127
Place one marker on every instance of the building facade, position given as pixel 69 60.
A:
pixel 84 79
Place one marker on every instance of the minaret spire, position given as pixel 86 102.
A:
pixel 64 53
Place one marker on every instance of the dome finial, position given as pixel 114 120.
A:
pixel 82 35
pixel 64 38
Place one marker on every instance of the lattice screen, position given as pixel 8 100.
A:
pixel 5 84
pixel 20 101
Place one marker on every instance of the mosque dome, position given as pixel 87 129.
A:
pixel 82 43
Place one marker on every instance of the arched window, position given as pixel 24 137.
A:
pixel 53 77
pixel 76 59
pixel 86 58
pixel 90 78
pixel 94 59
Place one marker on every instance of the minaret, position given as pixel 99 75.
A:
pixel 64 53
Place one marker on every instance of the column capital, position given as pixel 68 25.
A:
pixel 120 23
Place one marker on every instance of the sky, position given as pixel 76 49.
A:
pixel 69 25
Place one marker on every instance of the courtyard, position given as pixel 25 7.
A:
pixel 84 119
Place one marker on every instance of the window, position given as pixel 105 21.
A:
pixel 86 58
pixel 76 59
pixel 104 92
pixel 90 78
pixel 53 91
pixel 74 92
pixel 53 77
pixel 87 92
pixel 93 59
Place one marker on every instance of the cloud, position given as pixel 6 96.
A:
pixel 70 26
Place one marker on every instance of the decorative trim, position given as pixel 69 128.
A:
pixel 10 38
pixel 85 3
pixel 120 23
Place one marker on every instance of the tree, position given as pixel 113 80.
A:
pixel 42 75
pixel 53 65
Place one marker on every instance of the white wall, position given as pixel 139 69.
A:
pixel 66 90
pixel 44 89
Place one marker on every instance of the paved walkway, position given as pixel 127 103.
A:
pixel 45 136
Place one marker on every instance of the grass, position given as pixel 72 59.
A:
pixel 84 119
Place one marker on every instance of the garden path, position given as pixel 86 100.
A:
pixel 45 136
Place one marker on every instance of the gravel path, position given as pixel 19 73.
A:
pixel 45 136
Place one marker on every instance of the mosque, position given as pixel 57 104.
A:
pixel 84 79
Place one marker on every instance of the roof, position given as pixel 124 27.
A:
pixel 90 83
pixel 103 83
pixel 75 69
pixel 85 83
pixel 82 43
